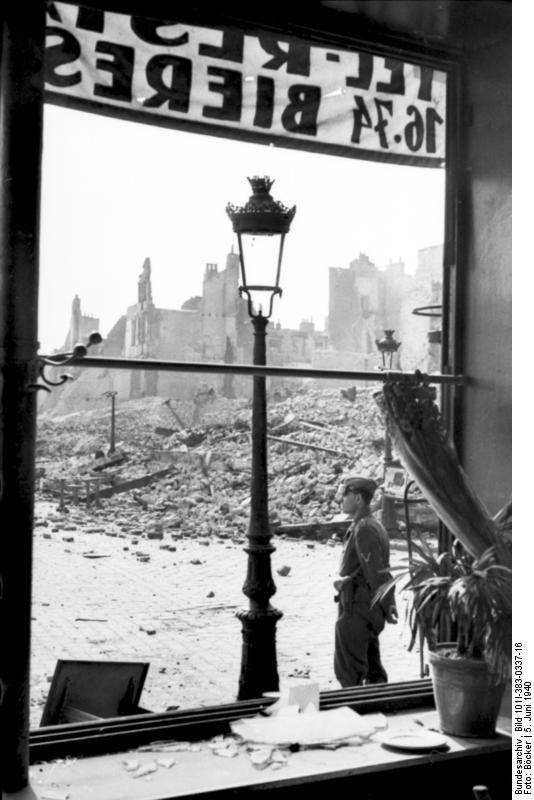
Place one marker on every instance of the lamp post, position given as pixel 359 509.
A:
pixel 261 225
pixel 112 432
pixel 387 347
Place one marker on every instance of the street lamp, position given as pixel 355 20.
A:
pixel 112 432
pixel 387 347
pixel 261 225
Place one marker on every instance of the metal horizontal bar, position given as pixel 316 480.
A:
pixel 100 362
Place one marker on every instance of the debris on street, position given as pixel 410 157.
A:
pixel 196 481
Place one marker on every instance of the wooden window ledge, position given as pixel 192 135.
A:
pixel 369 767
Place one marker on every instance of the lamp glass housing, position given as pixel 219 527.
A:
pixel 261 262
pixel 387 359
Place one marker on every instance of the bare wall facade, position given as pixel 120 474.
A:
pixel 487 262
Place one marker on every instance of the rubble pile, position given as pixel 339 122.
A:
pixel 315 437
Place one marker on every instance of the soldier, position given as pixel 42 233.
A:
pixel 364 567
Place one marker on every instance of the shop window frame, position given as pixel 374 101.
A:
pixel 116 734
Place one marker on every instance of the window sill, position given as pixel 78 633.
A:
pixel 203 774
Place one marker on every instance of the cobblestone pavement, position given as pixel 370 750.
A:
pixel 177 611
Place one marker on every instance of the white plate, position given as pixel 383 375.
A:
pixel 412 740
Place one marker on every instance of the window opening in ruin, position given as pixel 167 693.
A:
pixel 156 262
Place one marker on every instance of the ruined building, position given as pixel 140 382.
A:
pixel 215 326
pixel 212 327
pixel 223 314
pixel 365 300
pixel 158 333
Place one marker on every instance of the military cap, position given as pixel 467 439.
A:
pixel 361 482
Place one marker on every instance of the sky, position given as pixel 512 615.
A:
pixel 116 192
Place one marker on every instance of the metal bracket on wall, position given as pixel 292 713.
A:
pixel 434 336
pixel 79 351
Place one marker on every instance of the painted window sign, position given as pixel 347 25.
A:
pixel 263 85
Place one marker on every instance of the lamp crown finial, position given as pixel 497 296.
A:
pixel 261 214
pixel 261 185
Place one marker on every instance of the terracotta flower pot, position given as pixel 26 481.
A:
pixel 467 696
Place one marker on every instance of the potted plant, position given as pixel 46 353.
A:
pixel 471 597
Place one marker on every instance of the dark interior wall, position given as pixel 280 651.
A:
pixel 487 261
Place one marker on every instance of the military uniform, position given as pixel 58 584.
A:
pixel 365 560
